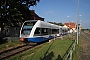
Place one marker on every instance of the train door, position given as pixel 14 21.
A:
pixel 60 31
pixel 45 33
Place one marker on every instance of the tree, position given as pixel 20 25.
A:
pixel 14 11
pixel 60 24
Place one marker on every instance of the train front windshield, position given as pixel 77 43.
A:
pixel 27 27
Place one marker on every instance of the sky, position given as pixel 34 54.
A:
pixel 59 10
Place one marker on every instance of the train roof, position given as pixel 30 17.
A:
pixel 47 25
pixel 44 24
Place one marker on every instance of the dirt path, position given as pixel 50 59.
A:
pixel 84 50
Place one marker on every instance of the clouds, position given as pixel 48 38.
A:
pixel 85 15
pixel 58 10
pixel 52 12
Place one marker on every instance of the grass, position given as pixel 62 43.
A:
pixel 9 45
pixel 76 52
pixel 54 50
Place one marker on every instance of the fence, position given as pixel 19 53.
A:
pixel 69 52
pixel 12 39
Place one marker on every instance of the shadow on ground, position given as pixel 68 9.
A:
pixel 59 57
pixel 49 55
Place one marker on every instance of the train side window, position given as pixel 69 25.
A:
pixel 44 31
pixel 55 31
pixel 37 31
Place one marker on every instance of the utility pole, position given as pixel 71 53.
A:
pixel 77 19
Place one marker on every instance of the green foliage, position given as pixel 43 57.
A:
pixel 12 12
pixel 48 51
pixel 75 53
pixel 9 45
pixel 60 24
pixel 85 29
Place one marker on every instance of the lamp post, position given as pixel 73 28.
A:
pixel 79 26
pixel 69 23
pixel 80 20
pixel 77 19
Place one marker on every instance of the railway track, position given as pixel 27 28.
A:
pixel 84 47
pixel 86 35
pixel 11 52
pixel 14 51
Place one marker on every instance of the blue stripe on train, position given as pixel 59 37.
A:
pixel 39 39
pixel 50 37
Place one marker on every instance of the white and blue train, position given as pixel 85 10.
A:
pixel 38 31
